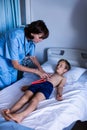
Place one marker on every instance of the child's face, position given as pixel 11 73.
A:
pixel 61 68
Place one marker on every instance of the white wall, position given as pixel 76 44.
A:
pixel 66 20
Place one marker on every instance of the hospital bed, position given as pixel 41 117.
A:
pixel 52 114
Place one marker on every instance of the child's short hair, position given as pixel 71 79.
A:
pixel 68 66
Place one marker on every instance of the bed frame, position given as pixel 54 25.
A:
pixel 75 57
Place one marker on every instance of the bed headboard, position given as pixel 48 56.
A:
pixel 75 57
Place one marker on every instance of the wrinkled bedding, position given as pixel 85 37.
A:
pixel 50 114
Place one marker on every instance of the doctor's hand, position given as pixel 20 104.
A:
pixel 43 74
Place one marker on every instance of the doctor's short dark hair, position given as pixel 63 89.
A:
pixel 36 27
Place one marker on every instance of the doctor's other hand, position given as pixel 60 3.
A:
pixel 42 74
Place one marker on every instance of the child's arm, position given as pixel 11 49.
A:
pixel 60 89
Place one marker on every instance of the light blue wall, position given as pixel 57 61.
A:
pixel 66 20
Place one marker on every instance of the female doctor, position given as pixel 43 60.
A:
pixel 17 44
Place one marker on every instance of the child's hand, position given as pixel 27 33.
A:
pixel 59 98
pixel 24 88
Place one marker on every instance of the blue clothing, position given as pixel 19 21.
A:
pixel 13 46
pixel 45 87
pixel 11 125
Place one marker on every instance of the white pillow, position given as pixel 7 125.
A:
pixel 72 75
pixel 49 68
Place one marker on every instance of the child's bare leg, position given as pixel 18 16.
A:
pixel 18 117
pixel 22 101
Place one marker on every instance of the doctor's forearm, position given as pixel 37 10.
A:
pixel 19 67
pixel 36 62
pixel 26 69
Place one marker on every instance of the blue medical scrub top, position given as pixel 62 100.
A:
pixel 13 46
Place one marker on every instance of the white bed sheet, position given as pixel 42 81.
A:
pixel 50 114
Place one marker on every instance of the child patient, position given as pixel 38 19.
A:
pixel 38 92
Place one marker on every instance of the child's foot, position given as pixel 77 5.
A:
pixel 15 117
pixel 5 114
